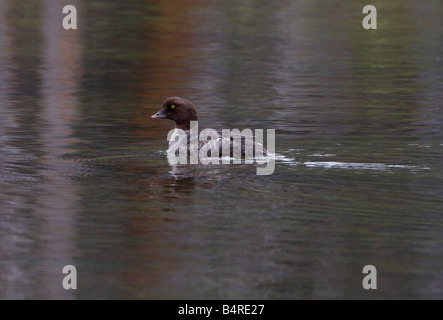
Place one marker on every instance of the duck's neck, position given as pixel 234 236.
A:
pixel 184 125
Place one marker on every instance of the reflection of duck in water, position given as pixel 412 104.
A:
pixel 183 112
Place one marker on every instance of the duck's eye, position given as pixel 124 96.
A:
pixel 172 106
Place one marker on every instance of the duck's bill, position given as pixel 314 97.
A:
pixel 159 115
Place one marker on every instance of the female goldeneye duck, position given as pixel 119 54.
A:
pixel 182 112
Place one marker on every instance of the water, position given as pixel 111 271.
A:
pixel 84 178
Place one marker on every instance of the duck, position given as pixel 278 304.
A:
pixel 183 111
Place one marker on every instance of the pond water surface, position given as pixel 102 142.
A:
pixel 84 178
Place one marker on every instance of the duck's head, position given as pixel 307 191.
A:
pixel 179 110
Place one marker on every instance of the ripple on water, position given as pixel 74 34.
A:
pixel 360 166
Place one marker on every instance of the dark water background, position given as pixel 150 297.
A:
pixel 84 178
